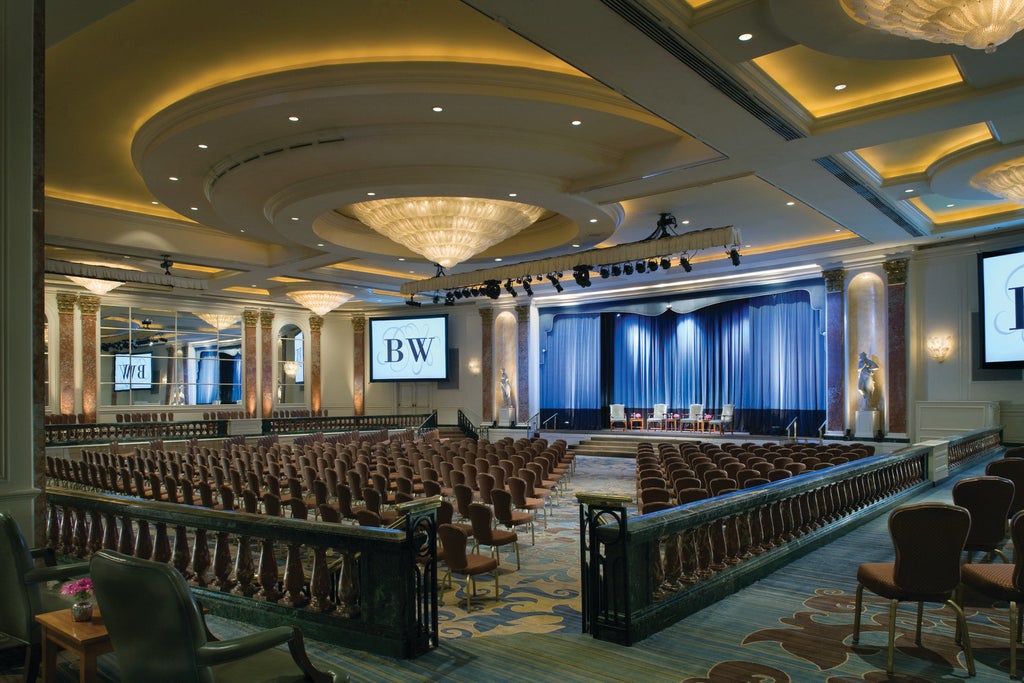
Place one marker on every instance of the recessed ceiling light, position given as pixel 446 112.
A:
pixel 593 220
pixel 686 222
pixel 744 37
pixel 746 246
pixel 839 86
pixel 513 194
pixel 439 109
pixel 838 230
pixel 576 245
pixel 241 230
pixel 319 244
pixel 202 146
pixel 371 194
pixel 950 206
pixel 127 256
pixel 292 119
pixel 295 218
pixel 790 203
pixel 909 190
pixel 497 259
pixel 173 178
pixel 577 122
pixel 194 208
pixel 155 203
pixel 401 258
pixel 252 285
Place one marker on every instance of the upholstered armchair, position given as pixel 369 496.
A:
pixel 724 420
pixel 159 634
pixel 24 589
pixel 658 417
pixel 617 415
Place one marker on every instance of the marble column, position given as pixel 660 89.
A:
pixel 90 307
pixel 896 347
pixel 66 351
pixel 267 362
pixel 359 365
pixel 316 324
pixel 487 362
pixel 523 362
pixel 249 319
pixel 835 345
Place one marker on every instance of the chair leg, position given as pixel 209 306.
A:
pixel 892 636
pixel 856 614
pixel 515 545
pixel 1014 634
pixel 920 615
pixel 33 657
pixel 961 622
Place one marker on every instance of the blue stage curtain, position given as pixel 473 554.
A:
pixel 209 374
pixel 765 355
pixel 571 372
pixel 236 378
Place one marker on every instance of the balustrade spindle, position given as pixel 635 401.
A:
pixel 293 577
pixel 201 560
pixel 716 531
pixel 688 556
pixel 67 531
pixel 732 540
pixel 80 543
pixel 320 583
pixel 162 544
pixel 126 539
pixel 268 572
pixel 244 570
pixel 182 557
pixel 143 542
pixel 222 561
pixel 95 541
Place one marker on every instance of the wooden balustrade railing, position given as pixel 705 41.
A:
pixel 337 423
pixel 641 574
pixel 103 432
pixel 373 589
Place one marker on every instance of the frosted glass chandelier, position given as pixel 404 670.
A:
pixel 447 230
pixel 977 24
pixel 319 301
pixel 219 321
pixel 1006 181
pixel 97 287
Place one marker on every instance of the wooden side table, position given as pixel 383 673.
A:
pixel 636 423
pixel 87 639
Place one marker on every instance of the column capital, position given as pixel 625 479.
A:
pixel 316 323
pixel 66 302
pixel 359 323
pixel 896 271
pixel 90 305
pixel 834 279
pixel 487 316
pixel 266 319
pixel 250 317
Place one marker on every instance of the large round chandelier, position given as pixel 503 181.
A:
pixel 1005 180
pixel 98 287
pixel 977 24
pixel 447 230
pixel 319 301
pixel 219 321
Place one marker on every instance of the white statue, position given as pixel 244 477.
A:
pixel 866 381
pixel 506 390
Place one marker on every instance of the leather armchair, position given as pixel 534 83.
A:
pixel 23 585
pixel 159 634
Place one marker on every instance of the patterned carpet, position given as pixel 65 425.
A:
pixel 792 626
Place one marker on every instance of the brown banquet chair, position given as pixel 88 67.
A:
pixel 453 543
pixel 927 568
pixel 482 518
pixel 987 499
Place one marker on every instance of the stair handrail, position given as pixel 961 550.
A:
pixel 468 425
pixel 791 430
pixel 821 432
pixel 553 417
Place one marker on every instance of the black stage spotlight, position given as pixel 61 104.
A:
pixel 684 263
pixel 527 288
pixel 492 288
pixel 734 256
pixel 449 299
pixel 628 269
pixel 605 273
pixel 509 288
pixel 641 267
pixel 465 293
pixel 616 271
pixel 652 266
pixel 554 281
pixel 474 291
pixel 411 302
pixel 458 293
pixel 665 263
pixel 437 299
pixel 581 274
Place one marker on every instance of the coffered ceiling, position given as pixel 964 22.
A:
pixel 235 136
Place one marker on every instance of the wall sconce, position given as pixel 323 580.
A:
pixel 939 347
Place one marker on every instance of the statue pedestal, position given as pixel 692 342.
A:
pixel 868 423
pixel 505 417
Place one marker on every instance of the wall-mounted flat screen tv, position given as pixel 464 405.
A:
pixel 409 349
pixel 1001 305
pixel 133 371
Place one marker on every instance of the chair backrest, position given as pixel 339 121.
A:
pixel 988 500
pixel 21 600
pixel 617 412
pixel 928 539
pixel 481 517
pixel 453 546
pixel 696 411
pixel 502 501
pixel 727 412
pixel 167 621
pixel 1012 469
pixel 660 411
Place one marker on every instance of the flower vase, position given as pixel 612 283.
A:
pixel 81 611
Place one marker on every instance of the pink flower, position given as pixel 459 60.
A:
pixel 675 416
pixel 708 416
pixel 81 589
pixel 636 416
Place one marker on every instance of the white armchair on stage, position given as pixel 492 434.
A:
pixel 658 417
pixel 694 419
pixel 617 415
pixel 724 420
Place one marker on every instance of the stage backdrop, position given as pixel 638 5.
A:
pixel 763 354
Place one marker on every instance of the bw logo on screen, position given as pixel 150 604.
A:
pixel 405 351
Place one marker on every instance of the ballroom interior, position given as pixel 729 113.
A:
pixel 216 158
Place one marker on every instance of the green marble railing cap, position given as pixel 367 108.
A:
pixel 598 498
